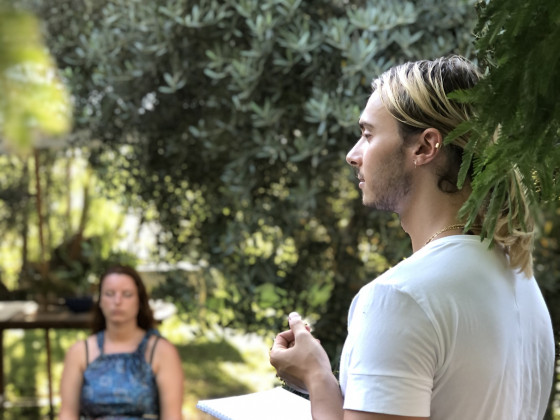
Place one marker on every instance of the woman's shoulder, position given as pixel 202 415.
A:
pixel 158 340
pixel 162 348
pixel 75 349
pixel 80 345
pixel 153 332
pixel 78 351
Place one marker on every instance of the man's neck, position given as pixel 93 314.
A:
pixel 427 214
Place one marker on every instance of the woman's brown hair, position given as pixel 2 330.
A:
pixel 145 317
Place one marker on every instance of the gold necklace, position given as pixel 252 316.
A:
pixel 445 229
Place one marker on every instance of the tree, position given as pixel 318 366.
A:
pixel 518 115
pixel 35 116
pixel 34 105
pixel 62 237
pixel 228 122
pixel 518 43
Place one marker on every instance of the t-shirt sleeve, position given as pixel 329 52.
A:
pixel 394 356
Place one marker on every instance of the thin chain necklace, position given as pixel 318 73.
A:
pixel 445 229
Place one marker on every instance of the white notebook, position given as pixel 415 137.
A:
pixel 274 404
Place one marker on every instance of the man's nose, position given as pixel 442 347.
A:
pixel 354 156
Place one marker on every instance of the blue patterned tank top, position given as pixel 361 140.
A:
pixel 120 386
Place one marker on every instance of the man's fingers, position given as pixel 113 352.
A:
pixel 296 324
pixel 293 317
pixel 284 339
pixel 287 335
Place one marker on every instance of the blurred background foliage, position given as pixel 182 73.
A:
pixel 227 123
pixel 34 104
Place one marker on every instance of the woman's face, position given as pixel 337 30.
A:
pixel 119 300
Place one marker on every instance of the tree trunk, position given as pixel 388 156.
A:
pixel 44 269
pixel 25 220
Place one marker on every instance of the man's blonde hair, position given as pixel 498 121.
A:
pixel 416 94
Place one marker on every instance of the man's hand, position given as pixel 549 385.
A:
pixel 297 355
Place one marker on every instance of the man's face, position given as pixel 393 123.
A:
pixel 379 158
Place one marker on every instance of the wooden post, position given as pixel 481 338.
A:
pixel 49 373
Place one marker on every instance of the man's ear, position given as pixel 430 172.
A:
pixel 427 146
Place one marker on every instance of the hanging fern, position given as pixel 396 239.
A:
pixel 518 114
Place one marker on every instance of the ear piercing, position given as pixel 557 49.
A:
pixel 437 146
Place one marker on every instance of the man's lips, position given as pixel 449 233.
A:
pixel 361 180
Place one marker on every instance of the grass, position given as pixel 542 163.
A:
pixel 214 364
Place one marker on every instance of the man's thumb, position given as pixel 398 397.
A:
pixel 294 319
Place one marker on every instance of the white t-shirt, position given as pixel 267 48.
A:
pixel 450 333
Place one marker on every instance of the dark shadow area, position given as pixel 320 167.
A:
pixel 24 360
pixel 203 376
pixel 21 363
pixel 24 413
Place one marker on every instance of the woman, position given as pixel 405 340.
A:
pixel 124 370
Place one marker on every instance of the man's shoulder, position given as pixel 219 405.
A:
pixel 443 262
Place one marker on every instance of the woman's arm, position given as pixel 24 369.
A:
pixel 169 378
pixel 72 380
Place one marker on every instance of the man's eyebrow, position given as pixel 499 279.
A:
pixel 364 124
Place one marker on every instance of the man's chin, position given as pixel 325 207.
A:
pixel 369 203
pixel 372 204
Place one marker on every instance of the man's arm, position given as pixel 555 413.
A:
pixel 326 401
pixel 326 404
pixel 301 361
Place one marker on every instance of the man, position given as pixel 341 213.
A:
pixel 457 331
